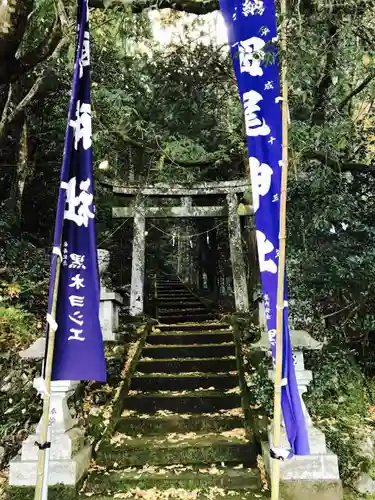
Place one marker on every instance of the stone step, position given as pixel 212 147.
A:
pixel 181 494
pixel 188 318
pixel 176 382
pixel 166 422
pixel 209 401
pixel 174 304
pixel 184 297
pixel 174 476
pixel 188 351
pixel 175 449
pixel 176 297
pixel 163 281
pixel 170 279
pixel 184 338
pixel 172 298
pixel 166 311
pixel 171 288
pixel 186 327
pixel 182 365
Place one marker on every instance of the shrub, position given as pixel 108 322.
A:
pixel 18 328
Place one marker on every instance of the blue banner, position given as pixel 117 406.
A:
pixel 79 351
pixel 252 36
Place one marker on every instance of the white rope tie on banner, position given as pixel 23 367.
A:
pixel 42 387
pixel 57 251
pixel 52 322
pixel 281 99
pixel 283 306
pixel 283 383
pixel 280 454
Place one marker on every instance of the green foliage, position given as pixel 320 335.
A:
pixel 339 402
pixel 157 109
pixel 19 404
pixel 245 328
pixel 24 275
pixel 54 492
pixel 331 254
pixel 17 328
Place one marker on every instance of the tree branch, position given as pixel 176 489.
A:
pixel 320 98
pixel 190 6
pixel 322 157
pixel 37 55
pixel 4 114
pixel 158 151
pixel 14 67
pixel 337 164
pixel 21 106
pixel 357 90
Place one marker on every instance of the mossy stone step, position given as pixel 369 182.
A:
pixel 172 287
pixel 177 382
pixel 187 401
pixel 193 327
pixel 174 476
pixel 188 338
pixel 181 296
pixel 183 365
pixel 163 301
pixel 188 318
pixel 172 298
pixel 184 297
pixel 168 279
pixel 204 494
pixel 174 304
pixel 200 309
pixel 189 351
pixel 159 451
pixel 155 424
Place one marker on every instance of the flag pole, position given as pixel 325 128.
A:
pixel 275 463
pixel 41 487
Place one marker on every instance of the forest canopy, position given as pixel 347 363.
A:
pixel 165 108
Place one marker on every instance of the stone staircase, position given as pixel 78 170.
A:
pixel 181 434
pixel 177 304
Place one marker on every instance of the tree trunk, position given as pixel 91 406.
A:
pixel 16 146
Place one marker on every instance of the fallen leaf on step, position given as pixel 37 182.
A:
pixel 235 390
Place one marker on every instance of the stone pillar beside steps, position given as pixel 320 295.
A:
pixel 110 301
pixel 110 304
pixel 70 455
pixel 311 477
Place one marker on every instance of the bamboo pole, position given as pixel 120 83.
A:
pixel 43 456
pixel 275 464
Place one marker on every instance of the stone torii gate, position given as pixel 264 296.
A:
pixel 140 212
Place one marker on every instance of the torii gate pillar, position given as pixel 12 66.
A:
pixel 236 255
pixel 138 263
